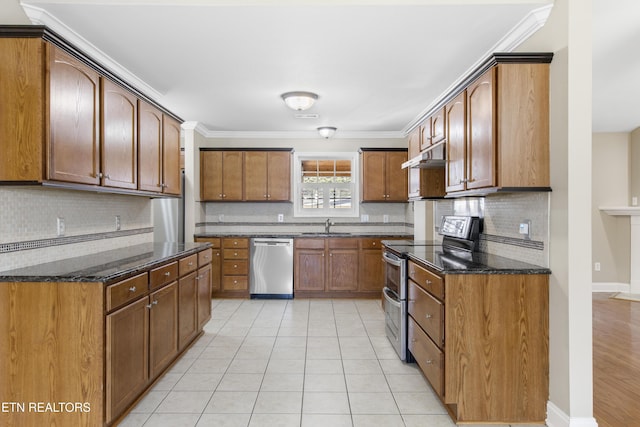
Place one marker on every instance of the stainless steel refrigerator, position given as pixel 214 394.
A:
pixel 168 217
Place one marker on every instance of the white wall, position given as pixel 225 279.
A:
pixel 567 33
pixel 610 186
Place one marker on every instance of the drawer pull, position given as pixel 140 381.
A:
pixel 428 282
pixel 429 362
pixel 235 265
pixel 167 273
pixel 235 243
pixel 190 263
pixel 132 289
pixel 235 254
pixel 235 282
pixel 428 316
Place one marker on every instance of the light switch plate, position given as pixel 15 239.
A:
pixel 280 217
pixel 60 226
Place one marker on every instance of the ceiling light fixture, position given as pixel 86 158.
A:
pixel 299 100
pixel 326 131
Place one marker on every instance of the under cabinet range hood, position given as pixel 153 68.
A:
pixel 431 157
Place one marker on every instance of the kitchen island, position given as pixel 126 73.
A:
pixel 85 337
pixel 478 328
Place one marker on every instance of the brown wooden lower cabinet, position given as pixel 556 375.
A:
pixel 98 345
pixel 230 266
pixel 482 341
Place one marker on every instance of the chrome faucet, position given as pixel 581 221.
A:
pixel 327 225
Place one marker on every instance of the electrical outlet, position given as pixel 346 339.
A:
pixel 525 229
pixel 385 218
pixel 596 266
pixel 280 217
pixel 117 222
pixel 634 201
pixel 364 218
pixel 60 226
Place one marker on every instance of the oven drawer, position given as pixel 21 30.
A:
pixel 427 280
pixel 395 313
pixel 428 356
pixel 427 311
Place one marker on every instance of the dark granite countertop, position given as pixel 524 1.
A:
pixel 292 235
pixel 107 266
pixel 461 262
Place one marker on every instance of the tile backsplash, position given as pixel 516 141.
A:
pixel 263 217
pixel 28 224
pixel 502 215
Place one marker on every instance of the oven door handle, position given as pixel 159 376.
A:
pixel 393 261
pixel 391 297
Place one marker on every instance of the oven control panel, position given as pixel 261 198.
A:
pixel 460 227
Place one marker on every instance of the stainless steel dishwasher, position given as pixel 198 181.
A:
pixel 271 268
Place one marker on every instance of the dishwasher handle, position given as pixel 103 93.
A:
pixel 272 243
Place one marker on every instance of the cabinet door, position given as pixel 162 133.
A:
pixel 455 120
pixel 373 176
pixel 414 142
pixel 187 309
pixel 371 270
pixel 343 270
pixel 170 156
pixel 163 328
pixel 396 176
pixel 127 334
pixel 481 135
pixel 204 295
pixel 119 137
pixel 255 175
pixel 426 137
pixel 437 126
pixel 149 147
pixel 279 176
pixel 74 112
pixel 211 175
pixel 232 174
pixel 309 268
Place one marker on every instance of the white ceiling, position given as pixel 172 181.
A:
pixel 377 65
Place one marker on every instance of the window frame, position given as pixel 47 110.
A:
pixel 326 211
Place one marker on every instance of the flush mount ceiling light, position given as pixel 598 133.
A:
pixel 326 131
pixel 299 100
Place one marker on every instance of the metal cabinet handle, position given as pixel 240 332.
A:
pixel 132 289
pixel 428 282
pixel 154 302
pixel 428 316
pixel 190 263
pixel 107 176
pixel 429 362
pixel 167 273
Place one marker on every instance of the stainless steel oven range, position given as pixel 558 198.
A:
pixel 395 301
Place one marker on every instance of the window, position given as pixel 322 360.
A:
pixel 326 184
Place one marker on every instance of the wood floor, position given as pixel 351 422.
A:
pixel 616 361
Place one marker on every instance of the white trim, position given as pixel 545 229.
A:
pixel 518 34
pixel 40 16
pixel 301 134
pixel 557 418
pixel 610 287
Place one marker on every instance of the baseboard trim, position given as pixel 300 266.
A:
pixel 557 418
pixel 609 287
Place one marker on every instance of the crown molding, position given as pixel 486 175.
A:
pixel 514 38
pixel 40 16
pixel 204 131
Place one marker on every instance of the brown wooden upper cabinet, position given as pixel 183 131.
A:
pixel 74 118
pixel 119 137
pixel 432 130
pixel 221 175
pixel 267 175
pixel 158 150
pixel 245 175
pixel 70 122
pixel 498 131
pixel 383 179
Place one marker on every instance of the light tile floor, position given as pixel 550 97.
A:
pixel 300 362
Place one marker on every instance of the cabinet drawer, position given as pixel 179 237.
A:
pixel 164 274
pixel 127 290
pixel 236 254
pixel 235 267
pixel 343 243
pixel 205 257
pixel 426 280
pixel 309 243
pixel 368 243
pixel 235 283
pixel 188 264
pixel 428 312
pixel 235 243
pixel 428 356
